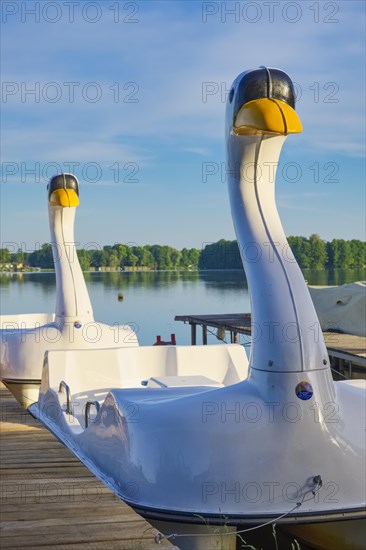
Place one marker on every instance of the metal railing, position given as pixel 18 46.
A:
pixel 65 387
pixel 87 410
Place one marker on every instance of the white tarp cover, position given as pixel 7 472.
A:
pixel 341 308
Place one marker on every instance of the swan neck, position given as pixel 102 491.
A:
pixel 286 331
pixel 72 298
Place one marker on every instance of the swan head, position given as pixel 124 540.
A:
pixel 262 102
pixel 63 190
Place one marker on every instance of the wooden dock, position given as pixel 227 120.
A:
pixel 50 500
pixel 347 352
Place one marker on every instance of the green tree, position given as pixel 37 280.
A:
pixel 301 250
pixel 144 256
pixel 358 249
pixel 99 258
pixel 161 256
pixel 113 259
pixel 84 259
pixel 210 259
pixel 19 257
pixel 345 254
pixel 42 258
pixel 221 255
pixel 333 253
pixel 4 256
pixel 152 250
pixel 148 259
pixel 175 257
pixel 193 257
pixel 121 250
pixel 340 253
pixel 184 259
pixel 189 258
pixel 131 259
pixel 318 252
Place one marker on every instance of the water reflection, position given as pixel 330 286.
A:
pixel 45 280
pixel 225 279
pixel 339 276
pixel 155 279
pixel 146 279
pixel 151 299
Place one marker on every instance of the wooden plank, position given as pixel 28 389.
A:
pixel 110 545
pixel 49 499
pixel 347 344
pixel 66 510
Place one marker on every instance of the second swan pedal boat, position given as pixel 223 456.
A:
pixel 187 439
pixel 24 338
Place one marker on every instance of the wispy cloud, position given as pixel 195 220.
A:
pixel 201 151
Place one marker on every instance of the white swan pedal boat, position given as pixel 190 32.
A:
pixel 24 338
pixel 189 435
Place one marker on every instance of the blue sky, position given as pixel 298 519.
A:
pixel 132 95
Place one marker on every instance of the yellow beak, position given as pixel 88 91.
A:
pixel 64 197
pixel 267 116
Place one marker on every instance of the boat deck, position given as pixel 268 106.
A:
pixel 50 500
pixel 346 351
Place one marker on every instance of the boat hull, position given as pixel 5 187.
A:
pixel 25 391
pixel 197 537
pixel 348 534
pixel 329 533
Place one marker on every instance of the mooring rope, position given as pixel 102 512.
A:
pixel 318 483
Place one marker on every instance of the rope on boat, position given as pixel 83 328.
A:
pixel 318 483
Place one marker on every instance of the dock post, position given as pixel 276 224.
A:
pixel 193 334
pixel 204 335
pixel 341 367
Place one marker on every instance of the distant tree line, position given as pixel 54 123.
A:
pixel 310 252
pixel 117 256
pixel 316 253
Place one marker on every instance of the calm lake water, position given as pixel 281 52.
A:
pixel 151 299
